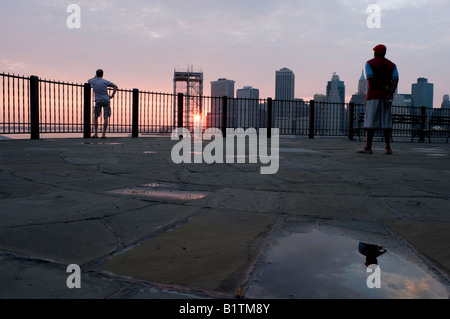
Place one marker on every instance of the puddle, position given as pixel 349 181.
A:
pixel 161 191
pixel 317 265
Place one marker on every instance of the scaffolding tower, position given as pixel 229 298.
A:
pixel 190 83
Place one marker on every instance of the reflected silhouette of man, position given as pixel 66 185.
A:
pixel 102 100
pixel 372 252
pixel 383 78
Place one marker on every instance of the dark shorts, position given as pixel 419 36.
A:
pixel 106 109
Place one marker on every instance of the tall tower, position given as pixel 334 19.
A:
pixel 336 90
pixel 284 84
pixel 247 107
pixel 335 110
pixel 222 87
pixel 445 102
pixel 190 83
pixel 283 106
pixel 363 85
pixel 360 97
pixel 219 89
pixel 422 93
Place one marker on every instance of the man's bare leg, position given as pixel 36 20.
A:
pixel 369 139
pixel 95 126
pixel 387 137
pixel 369 136
pixel 105 126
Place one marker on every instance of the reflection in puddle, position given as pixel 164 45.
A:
pixel 317 265
pixel 160 191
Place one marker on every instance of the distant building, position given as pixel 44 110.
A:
pixel 320 98
pixel 407 99
pixel 333 116
pixel 422 93
pixel 219 89
pixel 363 85
pixel 445 102
pixel 284 84
pixel 247 106
pixel 336 90
pixel 360 97
pixel 222 87
pixel 283 106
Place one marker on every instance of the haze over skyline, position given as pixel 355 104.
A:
pixel 140 43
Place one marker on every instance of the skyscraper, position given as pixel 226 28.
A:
pixel 219 89
pixel 422 93
pixel 247 107
pixel 222 87
pixel 334 113
pixel 247 92
pixel 284 84
pixel 363 85
pixel 445 102
pixel 284 98
pixel 359 98
pixel 336 90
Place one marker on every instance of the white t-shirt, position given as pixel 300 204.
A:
pixel 100 87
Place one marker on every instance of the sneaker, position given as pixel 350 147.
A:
pixel 388 151
pixel 364 151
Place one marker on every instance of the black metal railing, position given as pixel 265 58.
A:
pixel 15 99
pixel 33 106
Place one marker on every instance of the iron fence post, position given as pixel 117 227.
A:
pixel 423 112
pixel 87 111
pixel 269 117
pixel 180 110
pixel 135 127
pixel 351 119
pixel 311 118
pixel 224 115
pixel 34 107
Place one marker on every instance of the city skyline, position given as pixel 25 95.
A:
pixel 140 43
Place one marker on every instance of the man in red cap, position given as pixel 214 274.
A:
pixel 383 78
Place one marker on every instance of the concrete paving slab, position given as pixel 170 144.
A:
pixel 214 251
pixel 56 208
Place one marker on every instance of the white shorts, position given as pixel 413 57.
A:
pixel 378 115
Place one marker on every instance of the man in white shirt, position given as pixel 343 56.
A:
pixel 102 100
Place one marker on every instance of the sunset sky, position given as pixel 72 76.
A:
pixel 139 43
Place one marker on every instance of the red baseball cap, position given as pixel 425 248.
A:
pixel 380 49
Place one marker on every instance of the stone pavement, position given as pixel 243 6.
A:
pixel 141 226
